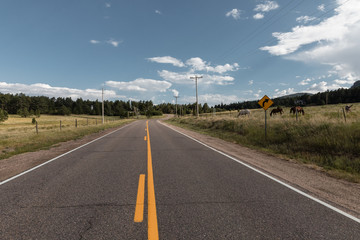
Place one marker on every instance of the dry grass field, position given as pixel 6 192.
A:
pixel 320 137
pixel 18 135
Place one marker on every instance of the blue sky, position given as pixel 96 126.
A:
pixel 148 50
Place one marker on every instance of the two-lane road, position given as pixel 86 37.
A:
pixel 91 193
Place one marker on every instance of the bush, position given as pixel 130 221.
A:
pixel 3 115
pixel 33 121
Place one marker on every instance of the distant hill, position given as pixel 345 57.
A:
pixel 356 84
pixel 296 95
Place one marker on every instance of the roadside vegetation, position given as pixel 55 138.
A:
pixel 18 134
pixel 320 137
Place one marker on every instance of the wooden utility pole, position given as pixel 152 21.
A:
pixel 197 101
pixel 102 98
pixel 176 97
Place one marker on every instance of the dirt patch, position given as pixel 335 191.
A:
pixel 19 163
pixel 309 178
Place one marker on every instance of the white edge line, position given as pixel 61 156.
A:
pixel 272 178
pixel 55 158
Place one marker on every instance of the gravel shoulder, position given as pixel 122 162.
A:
pixel 308 178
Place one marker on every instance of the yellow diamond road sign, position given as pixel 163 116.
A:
pixel 265 102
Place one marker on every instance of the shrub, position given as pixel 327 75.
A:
pixel 3 115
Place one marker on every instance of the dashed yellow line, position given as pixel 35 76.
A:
pixel 139 209
pixel 153 233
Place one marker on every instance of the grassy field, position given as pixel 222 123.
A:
pixel 18 135
pixel 320 137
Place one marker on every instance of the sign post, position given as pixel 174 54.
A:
pixel 265 103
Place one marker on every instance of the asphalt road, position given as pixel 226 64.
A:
pixel 91 193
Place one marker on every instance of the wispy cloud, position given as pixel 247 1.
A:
pixel 305 19
pixel 141 85
pixel 198 64
pixel 184 78
pixel 41 89
pixel 175 92
pixel 251 82
pixel 167 59
pixel 158 12
pixel 111 41
pixel 258 16
pixel 94 41
pixel 305 82
pixel 322 87
pixel 235 13
pixel 114 43
pixel 213 99
pixel 280 93
pixel 266 6
pixel 321 7
pixel 107 5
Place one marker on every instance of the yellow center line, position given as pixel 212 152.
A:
pixel 139 209
pixel 152 217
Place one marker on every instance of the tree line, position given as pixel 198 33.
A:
pixel 36 105
pixel 340 95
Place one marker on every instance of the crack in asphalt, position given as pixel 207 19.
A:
pixel 81 234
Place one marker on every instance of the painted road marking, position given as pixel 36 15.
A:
pixel 139 209
pixel 153 232
pixel 145 138
pixel 272 178
pixel 38 166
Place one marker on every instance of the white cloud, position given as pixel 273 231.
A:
pixel 114 42
pixel 41 89
pixel 158 12
pixel 167 59
pixel 141 85
pixel 305 82
pixel 257 94
pixel 175 92
pixel 197 64
pixel 321 7
pixel 284 92
pixel 213 99
pixel 266 6
pixel 251 82
pixel 322 87
pixel 331 30
pixel 94 41
pixel 305 19
pixel 179 78
pixel 108 5
pixel 258 16
pixel 184 78
pixel 235 13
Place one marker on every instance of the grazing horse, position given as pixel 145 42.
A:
pixel 298 109
pixel 244 112
pixel 276 110
pixel 347 108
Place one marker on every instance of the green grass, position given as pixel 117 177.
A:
pixel 18 135
pixel 320 137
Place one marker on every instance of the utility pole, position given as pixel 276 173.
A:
pixel 197 101
pixel 176 105
pixel 102 98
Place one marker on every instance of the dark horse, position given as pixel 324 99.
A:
pixel 276 110
pixel 298 109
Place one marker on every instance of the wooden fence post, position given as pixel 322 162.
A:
pixel 37 129
pixel 76 123
pixel 60 125
pixel 344 114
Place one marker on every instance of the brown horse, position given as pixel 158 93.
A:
pixel 276 110
pixel 298 109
